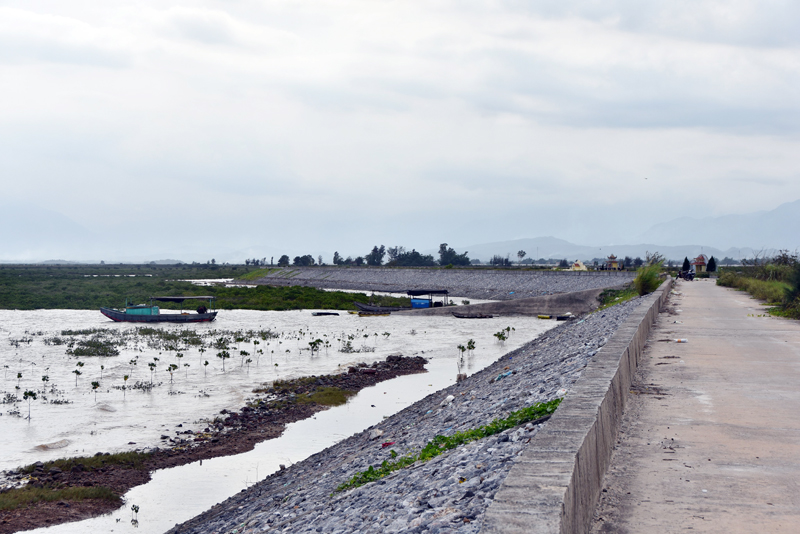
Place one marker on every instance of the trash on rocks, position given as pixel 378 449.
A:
pixel 678 322
pixel 387 444
pixel 375 433
pixel 561 392
pixel 447 400
pixel 503 375
pixel 681 341
pixel 543 316
pixel 281 467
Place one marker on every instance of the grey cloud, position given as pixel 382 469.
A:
pixel 25 49
pixel 210 27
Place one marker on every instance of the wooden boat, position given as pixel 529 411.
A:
pixel 379 309
pixel 144 313
pixel 471 315
pixel 415 302
pixel 321 314
pixel 373 314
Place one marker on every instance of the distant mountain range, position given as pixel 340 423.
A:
pixel 774 229
pixel 734 236
pixel 554 248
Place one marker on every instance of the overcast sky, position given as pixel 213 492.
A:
pixel 194 129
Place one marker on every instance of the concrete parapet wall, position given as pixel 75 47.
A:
pixel 555 484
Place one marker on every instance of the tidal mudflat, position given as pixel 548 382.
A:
pixel 78 414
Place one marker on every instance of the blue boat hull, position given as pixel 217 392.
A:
pixel 122 317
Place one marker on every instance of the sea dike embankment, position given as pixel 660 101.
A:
pixel 454 492
pixel 489 284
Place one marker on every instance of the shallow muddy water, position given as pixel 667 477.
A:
pixel 76 420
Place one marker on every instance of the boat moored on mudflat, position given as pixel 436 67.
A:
pixel 144 313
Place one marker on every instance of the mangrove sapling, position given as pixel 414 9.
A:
pixel 124 385
pixel 19 378
pixel 205 368
pixel 135 515
pixel 223 355
pixel 95 386
pixel 248 362
pixel 470 346
pixel 243 354
pixel 187 370
pixel 460 361
pixel 102 367
pixel 501 337
pixel 152 366
pixel 29 396
pixel 77 372
pixel 171 369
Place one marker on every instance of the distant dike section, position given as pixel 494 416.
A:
pixel 554 487
pixel 522 292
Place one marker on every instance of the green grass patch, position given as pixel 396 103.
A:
pixel 440 444
pixel 647 278
pixel 611 297
pixel 88 287
pixel 133 460
pixel 771 291
pixel 259 273
pixel 20 497
pixel 326 396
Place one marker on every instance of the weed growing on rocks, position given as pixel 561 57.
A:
pixel 440 444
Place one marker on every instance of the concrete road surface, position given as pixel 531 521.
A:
pixel 710 439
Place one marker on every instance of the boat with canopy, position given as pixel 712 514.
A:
pixel 416 302
pixel 150 313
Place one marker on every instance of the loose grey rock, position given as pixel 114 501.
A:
pixel 449 493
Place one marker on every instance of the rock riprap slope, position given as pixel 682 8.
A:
pixel 449 493
pixel 491 284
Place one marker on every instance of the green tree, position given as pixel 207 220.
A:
pixel 394 253
pixel 500 261
pixel 521 254
pixel 304 261
pixel 376 256
pixel 686 265
pixel 283 261
pixel 448 256
pixel 712 265
pixel 413 259
pixel 337 260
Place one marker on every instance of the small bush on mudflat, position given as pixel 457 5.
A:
pixel 27 495
pixel 327 396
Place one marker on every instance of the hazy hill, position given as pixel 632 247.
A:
pixel 551 247
pixel 774 229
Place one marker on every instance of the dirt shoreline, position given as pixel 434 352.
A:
pixel 232 433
